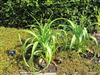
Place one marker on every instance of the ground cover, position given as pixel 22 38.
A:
pixel 70 62
pixel 9 41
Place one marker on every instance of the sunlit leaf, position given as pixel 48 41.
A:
pixel 73 41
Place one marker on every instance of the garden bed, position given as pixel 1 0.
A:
pixel 70 61
pixel 50 37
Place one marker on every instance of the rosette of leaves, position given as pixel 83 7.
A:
pixel 41 43
pixel 80 37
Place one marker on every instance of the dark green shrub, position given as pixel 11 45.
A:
pixel 15 13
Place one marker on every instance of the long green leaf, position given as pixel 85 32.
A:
pixel 94 39
pixel 73 41
pixel 32 33
pixel 72 24
pixel 33 49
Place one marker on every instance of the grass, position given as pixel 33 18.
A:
pixel 73 63
pixel 9 40
pixel 9 37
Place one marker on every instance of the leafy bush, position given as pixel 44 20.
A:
pixel 15 13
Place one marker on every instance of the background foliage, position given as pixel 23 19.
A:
pixel 15 13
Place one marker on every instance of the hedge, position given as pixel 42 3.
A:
pixel 16 13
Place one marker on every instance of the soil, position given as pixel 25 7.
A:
pixel 64 63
